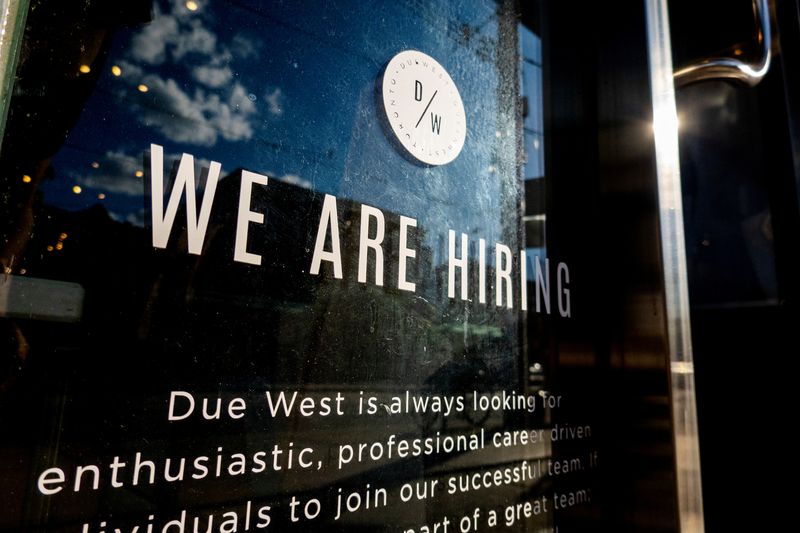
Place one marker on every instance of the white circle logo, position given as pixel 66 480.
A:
pixel 424 108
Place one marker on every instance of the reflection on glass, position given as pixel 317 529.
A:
pixel 247 88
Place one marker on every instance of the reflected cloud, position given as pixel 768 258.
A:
pixel 243 47
pixel 150 44
pixel 275 101
pixel 213 77
pixel 172 36
pixel 130 71
pixel 116 174
pixel 195 39
pixel 136 218
pixel 121 174
pixel 199 119
pixel 179 38
pixel 296 180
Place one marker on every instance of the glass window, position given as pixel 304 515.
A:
pixel 249 287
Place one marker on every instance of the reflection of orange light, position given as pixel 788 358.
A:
pixel 737 52
pixel 101 196
pixel 77 189
pixel 26 179
pixel 191 6
pixel 62 236
pixel 143 88
pixel 139 173
pixel 85 69
pixel 116 71
pixel 95 164
pixel 59 245
pixel 49 248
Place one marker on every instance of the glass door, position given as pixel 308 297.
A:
pixel 739 167
pixel 340 266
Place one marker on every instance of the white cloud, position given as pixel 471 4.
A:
pixel 222 57
pixel 275 101
pixel 167 36
pixel 201 118
pixel 196 40
pixel 180 117
pixel 130 70
pixel 116 174
pixel 294 179
pixel 241 100
pixel 243 47
pixel 121 163
pixel 228 121
pixel 149 45
pixel 216 106
pixel 213 77
pixel 137 218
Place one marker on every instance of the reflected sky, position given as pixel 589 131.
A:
pixel 274 90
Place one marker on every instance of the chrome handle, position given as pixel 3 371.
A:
pixel 728 68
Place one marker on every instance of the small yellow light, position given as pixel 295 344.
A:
pixel 139 173
pixel 26 179
pixel 116 71
pixel 85 69
pixel 191 6
pixel 49 248
pixel 62 236
pixel 101 196
pixel 738 52
pixel 143 88
pixel 77 189
pixel 59 245
pixel 23 271
pixel 95 164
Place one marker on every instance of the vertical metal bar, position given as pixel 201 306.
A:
pixel 12 26
pixel 665 128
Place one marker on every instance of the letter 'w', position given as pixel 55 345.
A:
pixel 436 123
pixel 184 182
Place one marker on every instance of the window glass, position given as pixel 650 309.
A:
pixel 241 294
pixel 151 353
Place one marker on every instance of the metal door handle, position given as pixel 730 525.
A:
pixel 728 68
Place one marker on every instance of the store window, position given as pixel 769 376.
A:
pixel 248 286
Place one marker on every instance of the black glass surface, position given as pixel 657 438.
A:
pixel 174 386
